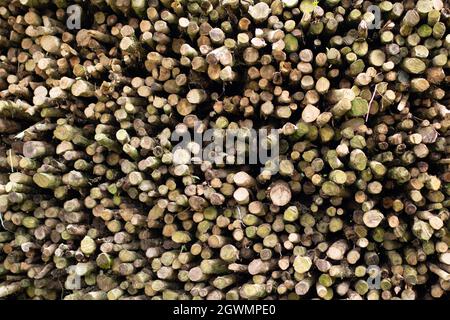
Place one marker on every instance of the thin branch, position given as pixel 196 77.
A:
pixel 371 101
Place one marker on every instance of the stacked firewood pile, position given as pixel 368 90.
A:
pixel 96 201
